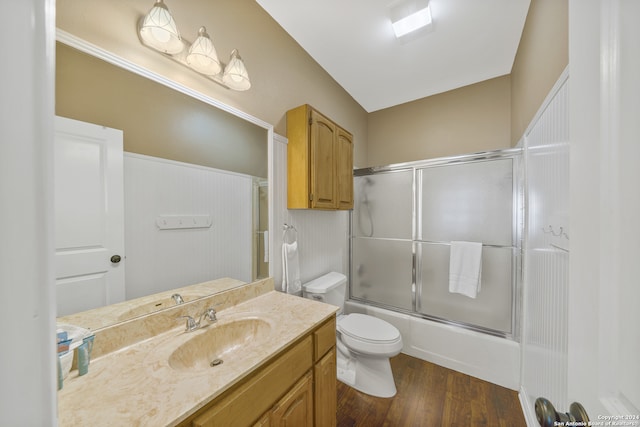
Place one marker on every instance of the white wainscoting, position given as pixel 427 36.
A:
pixel 546 266
pixel 158 260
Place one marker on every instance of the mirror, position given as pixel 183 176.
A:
pixel 169 127
pixel 110 315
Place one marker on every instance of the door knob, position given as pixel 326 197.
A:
pixel 116 259
pixel 548 416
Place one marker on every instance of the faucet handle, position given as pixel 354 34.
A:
pixel 209 314
pixel 191 325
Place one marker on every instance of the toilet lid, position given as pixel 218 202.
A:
pixel 367 328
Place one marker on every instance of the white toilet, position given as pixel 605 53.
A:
pixel 365 343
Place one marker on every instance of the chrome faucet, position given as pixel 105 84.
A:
pixel 177 298
pixel 192 324
pixel 209 314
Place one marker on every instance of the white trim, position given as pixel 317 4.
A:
pixel 271 209
pixel 27 103
pixel 604 111
pixel 609 155
pixel 184 164
pixel 528 411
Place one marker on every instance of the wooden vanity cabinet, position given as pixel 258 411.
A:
pixel 325 389
pixel 296 407
pixel 298 388
pixel 319 161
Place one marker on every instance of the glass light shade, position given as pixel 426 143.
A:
pixel 159 30
pixel 235 75
pixel 202 55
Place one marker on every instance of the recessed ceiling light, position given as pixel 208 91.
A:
pixel 413 22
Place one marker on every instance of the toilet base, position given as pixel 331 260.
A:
pixel 370 375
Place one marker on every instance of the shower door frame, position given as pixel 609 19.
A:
pixel 518 221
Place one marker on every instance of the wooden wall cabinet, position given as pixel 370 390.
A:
pixel 319 161
pixel 298 388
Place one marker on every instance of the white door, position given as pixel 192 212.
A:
pixel 604 293
pixel 89 216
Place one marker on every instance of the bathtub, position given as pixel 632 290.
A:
pixel 480 355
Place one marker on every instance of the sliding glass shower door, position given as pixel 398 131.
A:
pixel 404 220
pixel 469 201
pixel 382 244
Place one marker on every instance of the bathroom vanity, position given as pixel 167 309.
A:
pixel 269 359
pixel 296 388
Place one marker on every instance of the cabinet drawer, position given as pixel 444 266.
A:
pixel 246 404
pixel 324 338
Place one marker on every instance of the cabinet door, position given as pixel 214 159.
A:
pixel 295 409
pixel 323 162
pixel 326 390
pixel 344 172
pixel 265 421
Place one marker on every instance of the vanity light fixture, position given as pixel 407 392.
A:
pixel 158 31
pixel 410 16
pixel 202 55
pixel 235 75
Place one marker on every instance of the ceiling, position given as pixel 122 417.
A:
pixel 470 41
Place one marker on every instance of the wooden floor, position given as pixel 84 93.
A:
pixel 431 396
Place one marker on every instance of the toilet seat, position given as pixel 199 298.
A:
pixel 369 335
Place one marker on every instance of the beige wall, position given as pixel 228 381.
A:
pixel 156 120
pixel 283 75
pixel 484 116
pixel 542 56
pixel 466 120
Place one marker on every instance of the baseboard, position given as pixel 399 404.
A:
pixel 527 409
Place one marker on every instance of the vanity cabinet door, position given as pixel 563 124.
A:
pixel 265 421
pixel 245 404
pixel 325 390
pixel 295 409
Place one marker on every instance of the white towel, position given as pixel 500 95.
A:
pixel 291 283
pixel 465 268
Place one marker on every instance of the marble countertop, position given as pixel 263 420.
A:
pixel 136 386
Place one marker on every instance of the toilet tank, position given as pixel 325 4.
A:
pixel 329 288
